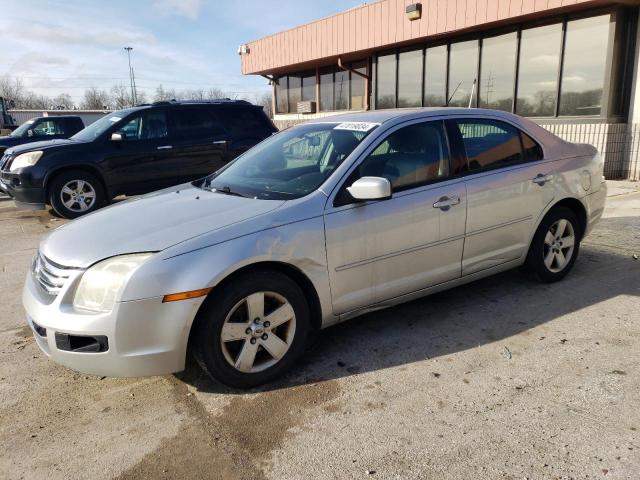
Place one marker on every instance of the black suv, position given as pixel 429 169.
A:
pixel 130 152
pixel 42 128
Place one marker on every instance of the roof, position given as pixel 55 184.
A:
pixel 383 24
pixel 382 116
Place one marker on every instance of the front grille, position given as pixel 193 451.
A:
pixel 49 275
pixel 4 162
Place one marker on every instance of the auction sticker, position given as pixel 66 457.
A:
pixel 356 126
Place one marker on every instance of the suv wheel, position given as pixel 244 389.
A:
pixel 76 193
pixel 555 246
pixel 253 330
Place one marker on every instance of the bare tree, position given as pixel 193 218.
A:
pixel 63 102
pixel 95 99
pixel 121 97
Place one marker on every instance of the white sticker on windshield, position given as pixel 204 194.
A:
pixel 356 126
pixel 115 119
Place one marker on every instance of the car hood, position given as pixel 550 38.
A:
pixel 7 141
pixel 46 145
pixel 149 223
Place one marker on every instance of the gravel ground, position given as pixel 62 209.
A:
pixel 502 378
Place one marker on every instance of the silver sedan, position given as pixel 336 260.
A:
pixel 315 225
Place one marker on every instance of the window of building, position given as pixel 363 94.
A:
pixel 409 157
pixel 463 70
pixel 497 72
pixel 295 87
pixel 358 86
pixel 326 91
pixel 410 79
pixel 490 144
pixel 583 72
pixel 538 71
pixel 435 77
pixel 341 89
pixel 309 87
pixel 282 102
pixel 386 82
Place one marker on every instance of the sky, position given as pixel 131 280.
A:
pixel 58 46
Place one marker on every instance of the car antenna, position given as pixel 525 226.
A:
pixel 473 90
pixel 454 92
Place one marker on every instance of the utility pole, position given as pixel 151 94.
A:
pixel 132 78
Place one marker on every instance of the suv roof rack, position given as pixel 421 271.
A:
pixel 194 102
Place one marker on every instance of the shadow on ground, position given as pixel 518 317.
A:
pixel 488 310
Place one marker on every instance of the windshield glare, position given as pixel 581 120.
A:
pixel 96 129
pixel 290 164
pixel 21 131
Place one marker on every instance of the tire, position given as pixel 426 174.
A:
pixel 552 255
pixel 75 193
pixel 232 348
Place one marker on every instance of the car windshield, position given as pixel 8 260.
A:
pixel 96 129
pixel 21 131
pixel 290 164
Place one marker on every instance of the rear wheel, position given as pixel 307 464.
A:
pixel 253 330
pixel 76 193
pixel 555 246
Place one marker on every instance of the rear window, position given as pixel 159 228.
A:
pixel 246 122
pixel 532 151
pixel 490 144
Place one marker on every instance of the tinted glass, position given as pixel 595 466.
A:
pixel 498 72
pixel 147 126
pixel 435 77
pixel 281 95
pixel 309 88
pixel 326 91
pixel 490 144
pixel 290 164
pixel 295 85
pixel 47 128
pixel 194 123
pixel 410 79
pixel 386 82
pixel 342 90
pixel 409 157
pixel 583 72
pixel 538 74
pixel 358 86
pixel 532 151
pixel 463 70
pixel 247 122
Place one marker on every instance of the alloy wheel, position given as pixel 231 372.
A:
pixel 559 245
pixel 78 195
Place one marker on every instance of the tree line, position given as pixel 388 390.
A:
pixel 115 98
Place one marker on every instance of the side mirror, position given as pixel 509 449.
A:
pixel 370 188
pixel 117 137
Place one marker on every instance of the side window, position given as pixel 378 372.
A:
pixel 47 128
pixel 532 151
pixel 195 124
pixel 245 122
pixel 409 157
pixel 490 143
pixel 146 126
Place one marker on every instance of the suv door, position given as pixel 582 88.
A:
pixel 507 190
pixel 199 142
pixel 138 162
pixel 383 249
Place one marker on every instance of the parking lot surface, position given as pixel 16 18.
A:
pixel 501 378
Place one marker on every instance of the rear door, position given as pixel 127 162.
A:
pixel 199 142
pixel 247 125
pixel 508 188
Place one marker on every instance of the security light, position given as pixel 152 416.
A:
pixel 414 11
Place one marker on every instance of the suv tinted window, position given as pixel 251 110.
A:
pixel 146 126
pixel 245 122
pixel 195 123
pixel 490 143
pixel 532 151
pixel 410 156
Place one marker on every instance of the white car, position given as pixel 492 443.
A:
pixel 315 225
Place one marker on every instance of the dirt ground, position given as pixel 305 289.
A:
pixel 500 379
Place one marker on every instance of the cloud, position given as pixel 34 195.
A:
pixel 186 8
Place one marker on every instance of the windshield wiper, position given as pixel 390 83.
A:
pixel 226 190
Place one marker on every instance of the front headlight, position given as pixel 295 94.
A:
pixel 100 285
pixel 25 160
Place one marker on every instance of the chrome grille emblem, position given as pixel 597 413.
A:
pixel 50 276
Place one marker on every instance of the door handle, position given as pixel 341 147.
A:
pixel 541 179
pixel 447 202
pixel 220 142
pixel 165 147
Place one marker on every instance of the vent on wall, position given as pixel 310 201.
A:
pixel 306 107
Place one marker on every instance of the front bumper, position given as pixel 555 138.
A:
pixel 26 197
pixel 145 337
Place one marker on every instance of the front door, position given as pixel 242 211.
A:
pixel 380 250
pixel 508 188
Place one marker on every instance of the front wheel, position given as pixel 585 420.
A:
pixel 555 246
pixel 253 330
pixel 76 193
